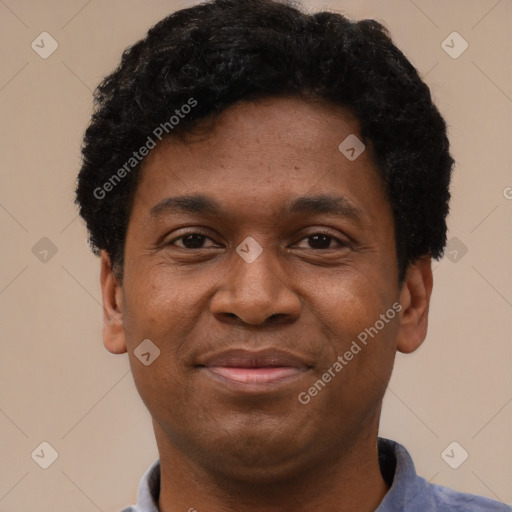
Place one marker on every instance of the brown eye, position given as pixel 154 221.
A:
pixel 322 241
pixel 191 241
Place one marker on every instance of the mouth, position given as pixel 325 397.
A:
pixel 264 367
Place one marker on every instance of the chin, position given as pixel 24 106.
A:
pixel 258 458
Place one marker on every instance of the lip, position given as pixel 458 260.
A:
pixel 255 368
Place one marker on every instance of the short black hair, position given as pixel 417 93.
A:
pixel 198 61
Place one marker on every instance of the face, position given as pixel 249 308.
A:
pixel 271 270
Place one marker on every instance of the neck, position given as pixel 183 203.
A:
pixel 350 481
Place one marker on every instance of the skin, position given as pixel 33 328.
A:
pixel 222 447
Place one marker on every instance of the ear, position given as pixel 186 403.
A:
pixel 112 294
pixel 415 300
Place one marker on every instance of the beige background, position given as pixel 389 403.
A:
pixel 58 383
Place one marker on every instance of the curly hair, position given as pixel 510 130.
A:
pixel 219 52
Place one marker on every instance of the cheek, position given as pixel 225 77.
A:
pixel 160 305
pixel 353 300
pixel 361 327
pixel 164 310
pixel 161 390
pixel 159 377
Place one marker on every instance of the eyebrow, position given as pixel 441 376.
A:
pixel 204 205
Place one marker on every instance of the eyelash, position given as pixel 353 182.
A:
pixel 341 243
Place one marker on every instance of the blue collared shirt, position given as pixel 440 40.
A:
pixel 408 492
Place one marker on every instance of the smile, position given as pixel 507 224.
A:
pixel 265 375
pixel 264 367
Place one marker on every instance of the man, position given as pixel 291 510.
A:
pixel 267 189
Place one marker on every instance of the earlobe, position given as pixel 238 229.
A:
pixel 113 329
pixel 415 300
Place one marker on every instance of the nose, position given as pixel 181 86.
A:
pixel 256 293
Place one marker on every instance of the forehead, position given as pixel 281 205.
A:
pixel 261 156
pixel 280 124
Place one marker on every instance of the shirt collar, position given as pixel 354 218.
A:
pixel 395 462
pixel 406 484
pixel 149 489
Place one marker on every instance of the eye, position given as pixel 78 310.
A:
pixel 191 241
pixel 316 241
pixel 323 241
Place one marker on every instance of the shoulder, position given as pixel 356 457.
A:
pixel 411 493
pixel 444 499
